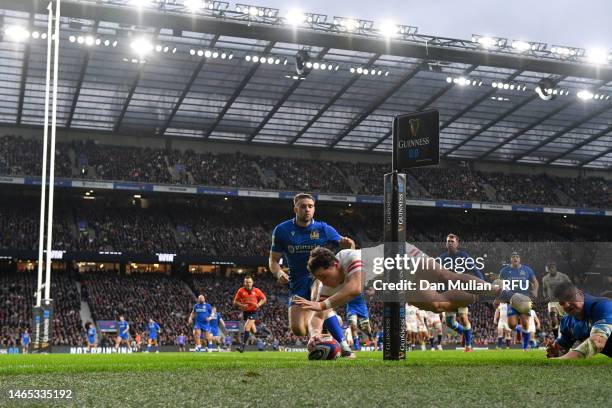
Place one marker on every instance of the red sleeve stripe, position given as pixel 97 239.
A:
pixel 354 266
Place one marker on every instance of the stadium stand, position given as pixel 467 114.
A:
pixel 17 297
pixel 104 162
pixel 139 296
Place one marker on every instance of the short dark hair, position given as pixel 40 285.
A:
pixel 320 257
pixel 454 236
pixel 301 196
pixel 249 277
pixel 565 292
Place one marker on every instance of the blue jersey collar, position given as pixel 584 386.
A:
pixel 299 226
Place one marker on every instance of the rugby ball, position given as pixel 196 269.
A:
pixel 327 349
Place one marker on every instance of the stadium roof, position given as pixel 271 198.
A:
pixel 170 92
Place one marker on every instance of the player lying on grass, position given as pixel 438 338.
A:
pixel 342 277
pixel 588 321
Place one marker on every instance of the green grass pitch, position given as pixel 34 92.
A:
pixel 448 378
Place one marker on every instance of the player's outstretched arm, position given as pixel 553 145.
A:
pixel 315 328
pixel 350 290
pixel 275 267
pixel 588 348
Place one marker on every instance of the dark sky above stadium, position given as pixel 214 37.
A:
pixel 574 23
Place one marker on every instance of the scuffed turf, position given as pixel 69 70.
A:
pixel 448 378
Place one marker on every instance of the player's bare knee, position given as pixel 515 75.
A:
pixel 599 342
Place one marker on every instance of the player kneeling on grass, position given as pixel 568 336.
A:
pixel 341 278
pixel 588 320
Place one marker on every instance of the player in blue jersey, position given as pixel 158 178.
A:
pixel 154 330
pixel 521 279
pixel 200 317
pixel 380 339
pixel 588 321
pixel 25 342
pixel 123 332
pixel 358 318
pixel 217 327
pixel 294 239
pixel 459 261
pixel 91 336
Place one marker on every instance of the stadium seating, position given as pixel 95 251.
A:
pixel 17 297
pixel 140 296
pixel 19 156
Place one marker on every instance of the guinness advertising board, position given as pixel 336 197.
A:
pixel 416 139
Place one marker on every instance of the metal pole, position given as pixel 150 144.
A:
pixel 43 183
pixel 52 152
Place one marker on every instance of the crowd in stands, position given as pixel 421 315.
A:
pixel 139 297
pixel 449 185
pixel 128 230
pixel 19 156
pixel 17 296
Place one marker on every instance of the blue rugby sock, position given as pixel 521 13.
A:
pixel 526 338
pixel 468 337
pixel 148 348
pixel 500 341
pixel 245 337
pixel 458 328
pixel 333 327
pixel 454 324
pixel 356 343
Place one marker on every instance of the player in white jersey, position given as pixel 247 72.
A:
pixel 550 281
pixel 503 330
pixel 534 325
pixel 411 326
pixel 434 323
pixel 342 276
pixel 422 328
